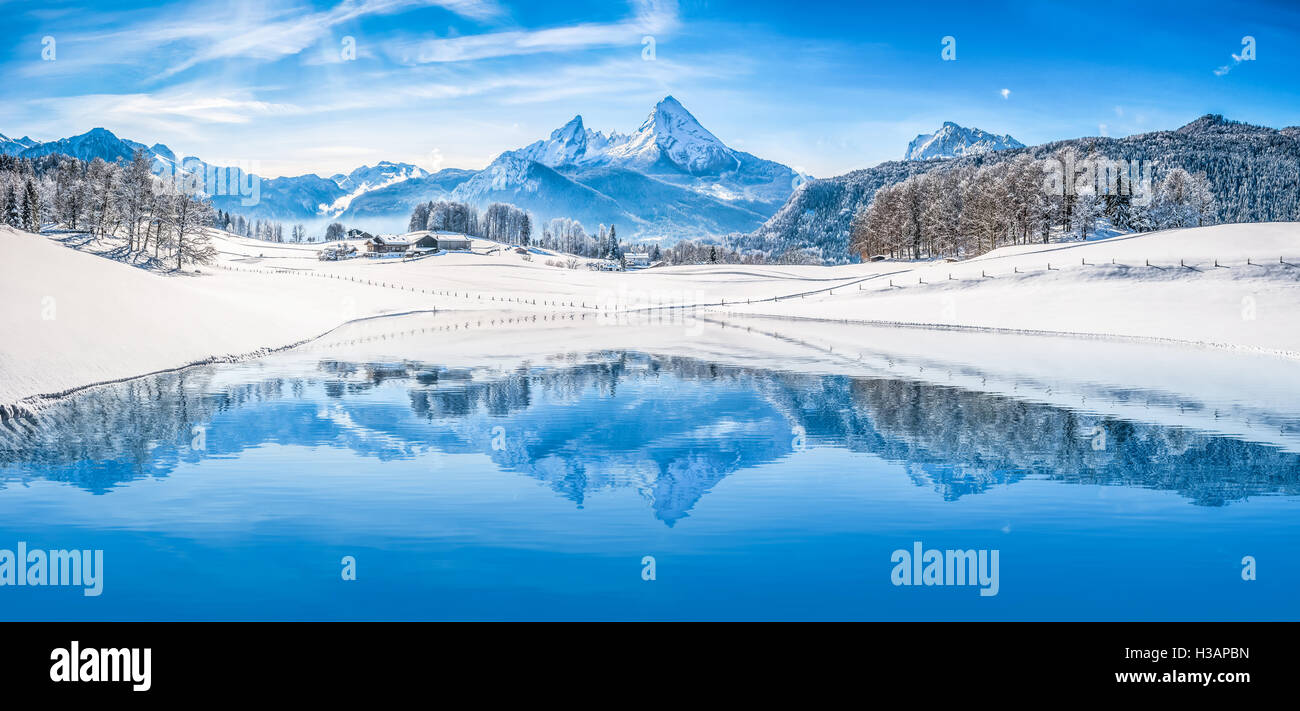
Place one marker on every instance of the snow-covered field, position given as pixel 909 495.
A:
pixel 72 319
pixel 1229 285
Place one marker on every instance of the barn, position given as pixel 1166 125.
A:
pixel 452 241
pixel 432 240
pixel 386 244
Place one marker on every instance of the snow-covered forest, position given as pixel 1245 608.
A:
pixel 154 218
pixel 963 211
pixel 508 224
pixel 511 225
pixel 500 222
pixel 1251 172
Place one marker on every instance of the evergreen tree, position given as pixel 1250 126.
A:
pixel 31 217
pixel 612 250
pixel 13 210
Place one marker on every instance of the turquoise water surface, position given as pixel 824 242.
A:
pixel 543 492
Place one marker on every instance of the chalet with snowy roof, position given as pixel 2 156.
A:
pixel 422 241
pixel 386 244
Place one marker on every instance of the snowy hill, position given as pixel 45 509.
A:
pixel 265 295
pixel 952 141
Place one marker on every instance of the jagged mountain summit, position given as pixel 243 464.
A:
pixel 670 178
pixel 953 141
pixel 571 144
pixel 14 146
pixel 671 138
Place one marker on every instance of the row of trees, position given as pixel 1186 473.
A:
pixel 965 211
pixel 500 222
pixel 508 224
pixel 267 230
pixel 152 216
pixel 565 235
pixel 692 252
pixel 21 205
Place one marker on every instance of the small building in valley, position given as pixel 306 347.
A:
pixel 424 241
pixel 432 240
pixel 451 241
pixel 380 245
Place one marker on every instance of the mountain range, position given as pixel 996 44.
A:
pixel 1251 170
pixel 669 179
pixel 672 179
pixel 952 141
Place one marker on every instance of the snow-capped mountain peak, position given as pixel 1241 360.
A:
pixel 568 145
pixel 368 178
pixel 669 138
pixel 671 134
pixel 14 146
pixel 571 132
pixel 671 176
pixel 953 140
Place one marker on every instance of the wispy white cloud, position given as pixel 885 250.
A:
pixel 1247 54
pixel 649 18
pixel 249 30
pixel 184 110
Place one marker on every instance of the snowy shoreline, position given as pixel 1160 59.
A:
pixel 1287 354
pixel 33 403
pixel 75 320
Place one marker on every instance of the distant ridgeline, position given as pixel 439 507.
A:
pixel 669 179
pixel 1252 170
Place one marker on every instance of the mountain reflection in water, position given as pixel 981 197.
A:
pixel 670 428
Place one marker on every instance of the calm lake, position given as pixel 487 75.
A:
pixel 551 485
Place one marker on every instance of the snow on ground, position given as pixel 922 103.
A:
pixel 71 318
pixel 1103 287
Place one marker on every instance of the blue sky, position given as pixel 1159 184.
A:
pixel 824 87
